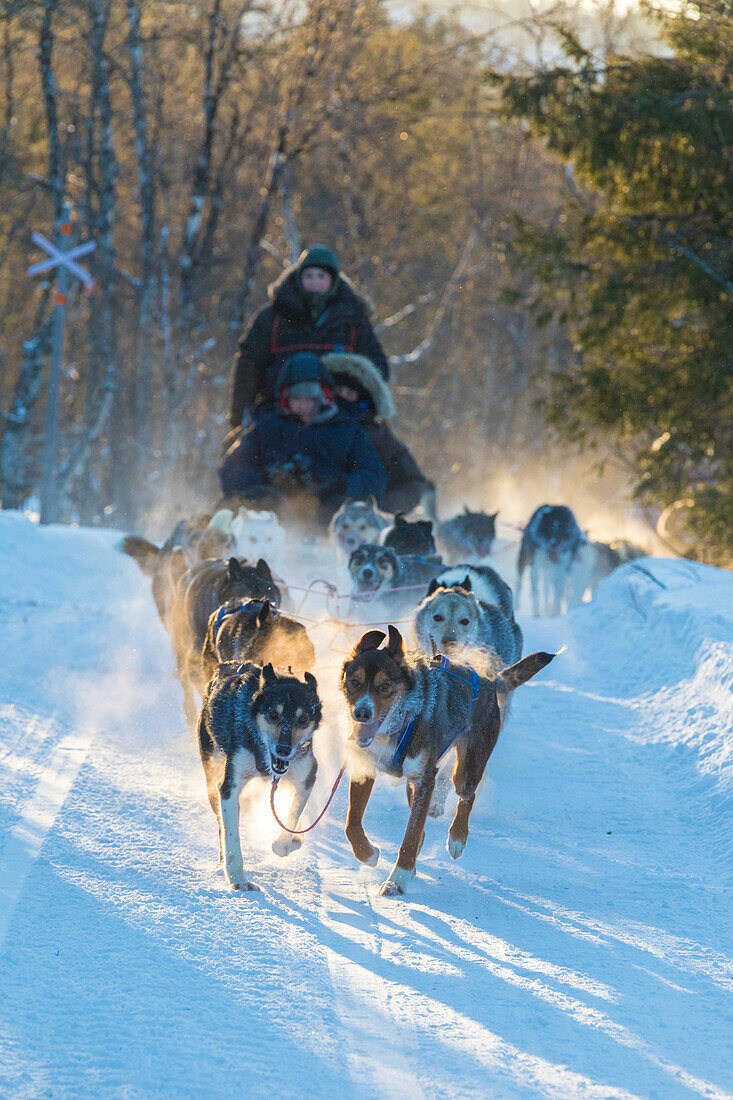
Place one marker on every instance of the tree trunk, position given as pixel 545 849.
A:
pixel 14 477
pixel 146 185
pixel 13 472
pixel 103 315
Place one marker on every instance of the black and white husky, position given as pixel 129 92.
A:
pixel 486 584
pixel 550 545
pixel 413 539
pixel 394 583
pixel 256 722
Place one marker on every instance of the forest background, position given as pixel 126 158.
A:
pixel 478 170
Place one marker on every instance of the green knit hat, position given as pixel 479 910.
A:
pixel 320 255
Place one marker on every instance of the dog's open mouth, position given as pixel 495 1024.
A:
pixel 365 588
pixel 365 732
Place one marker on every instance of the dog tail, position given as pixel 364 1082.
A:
pixel 145 553
pixel 518 674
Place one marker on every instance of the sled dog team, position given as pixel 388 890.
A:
pixel 413 714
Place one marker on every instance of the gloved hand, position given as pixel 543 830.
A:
pixel 328 487
pixel 281 476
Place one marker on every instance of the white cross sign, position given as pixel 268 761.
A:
pixel 62 259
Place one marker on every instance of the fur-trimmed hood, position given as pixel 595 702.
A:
pixel 363 371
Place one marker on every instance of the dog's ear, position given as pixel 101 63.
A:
pixel 269 676
pixel 467 584
pixel 433 586
pixel 371 640
pixel 311 680
pixel 493 515
pixel 395 645
pixel 264 614
pixel 235 570
pixel 466 510
pixel 221 520
pixel 518 674
pixel 264 569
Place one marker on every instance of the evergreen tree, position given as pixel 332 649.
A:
pixel 641 264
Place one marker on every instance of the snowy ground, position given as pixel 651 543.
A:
pixel 582 947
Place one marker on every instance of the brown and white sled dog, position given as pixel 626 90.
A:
pixel 406 714
pixel 256 722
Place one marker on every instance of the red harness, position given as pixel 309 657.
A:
pixel 290 349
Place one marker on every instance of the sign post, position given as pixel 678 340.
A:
pixel 62 257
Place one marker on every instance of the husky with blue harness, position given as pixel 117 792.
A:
pixel 407 713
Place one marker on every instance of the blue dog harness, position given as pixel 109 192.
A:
pixel 222 614
pixel 405 735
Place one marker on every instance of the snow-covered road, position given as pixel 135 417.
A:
pixel 582 947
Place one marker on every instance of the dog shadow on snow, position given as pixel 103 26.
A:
pixel 584 1000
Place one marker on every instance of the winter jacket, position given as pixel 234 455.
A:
pixel 285 326
pixel 405 482
pixel 278 455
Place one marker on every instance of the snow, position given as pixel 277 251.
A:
pixel 581 947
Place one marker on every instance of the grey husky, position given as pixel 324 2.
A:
pixel 256 722
pixel 452 621
pixel 357 522
pixel 593 562
pixel 467 535
pixel 406 713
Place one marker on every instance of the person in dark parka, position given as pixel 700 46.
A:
pixel 305 451
pixel 362 392
pixel 314 308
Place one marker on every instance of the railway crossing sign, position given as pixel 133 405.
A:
pixel 61 258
